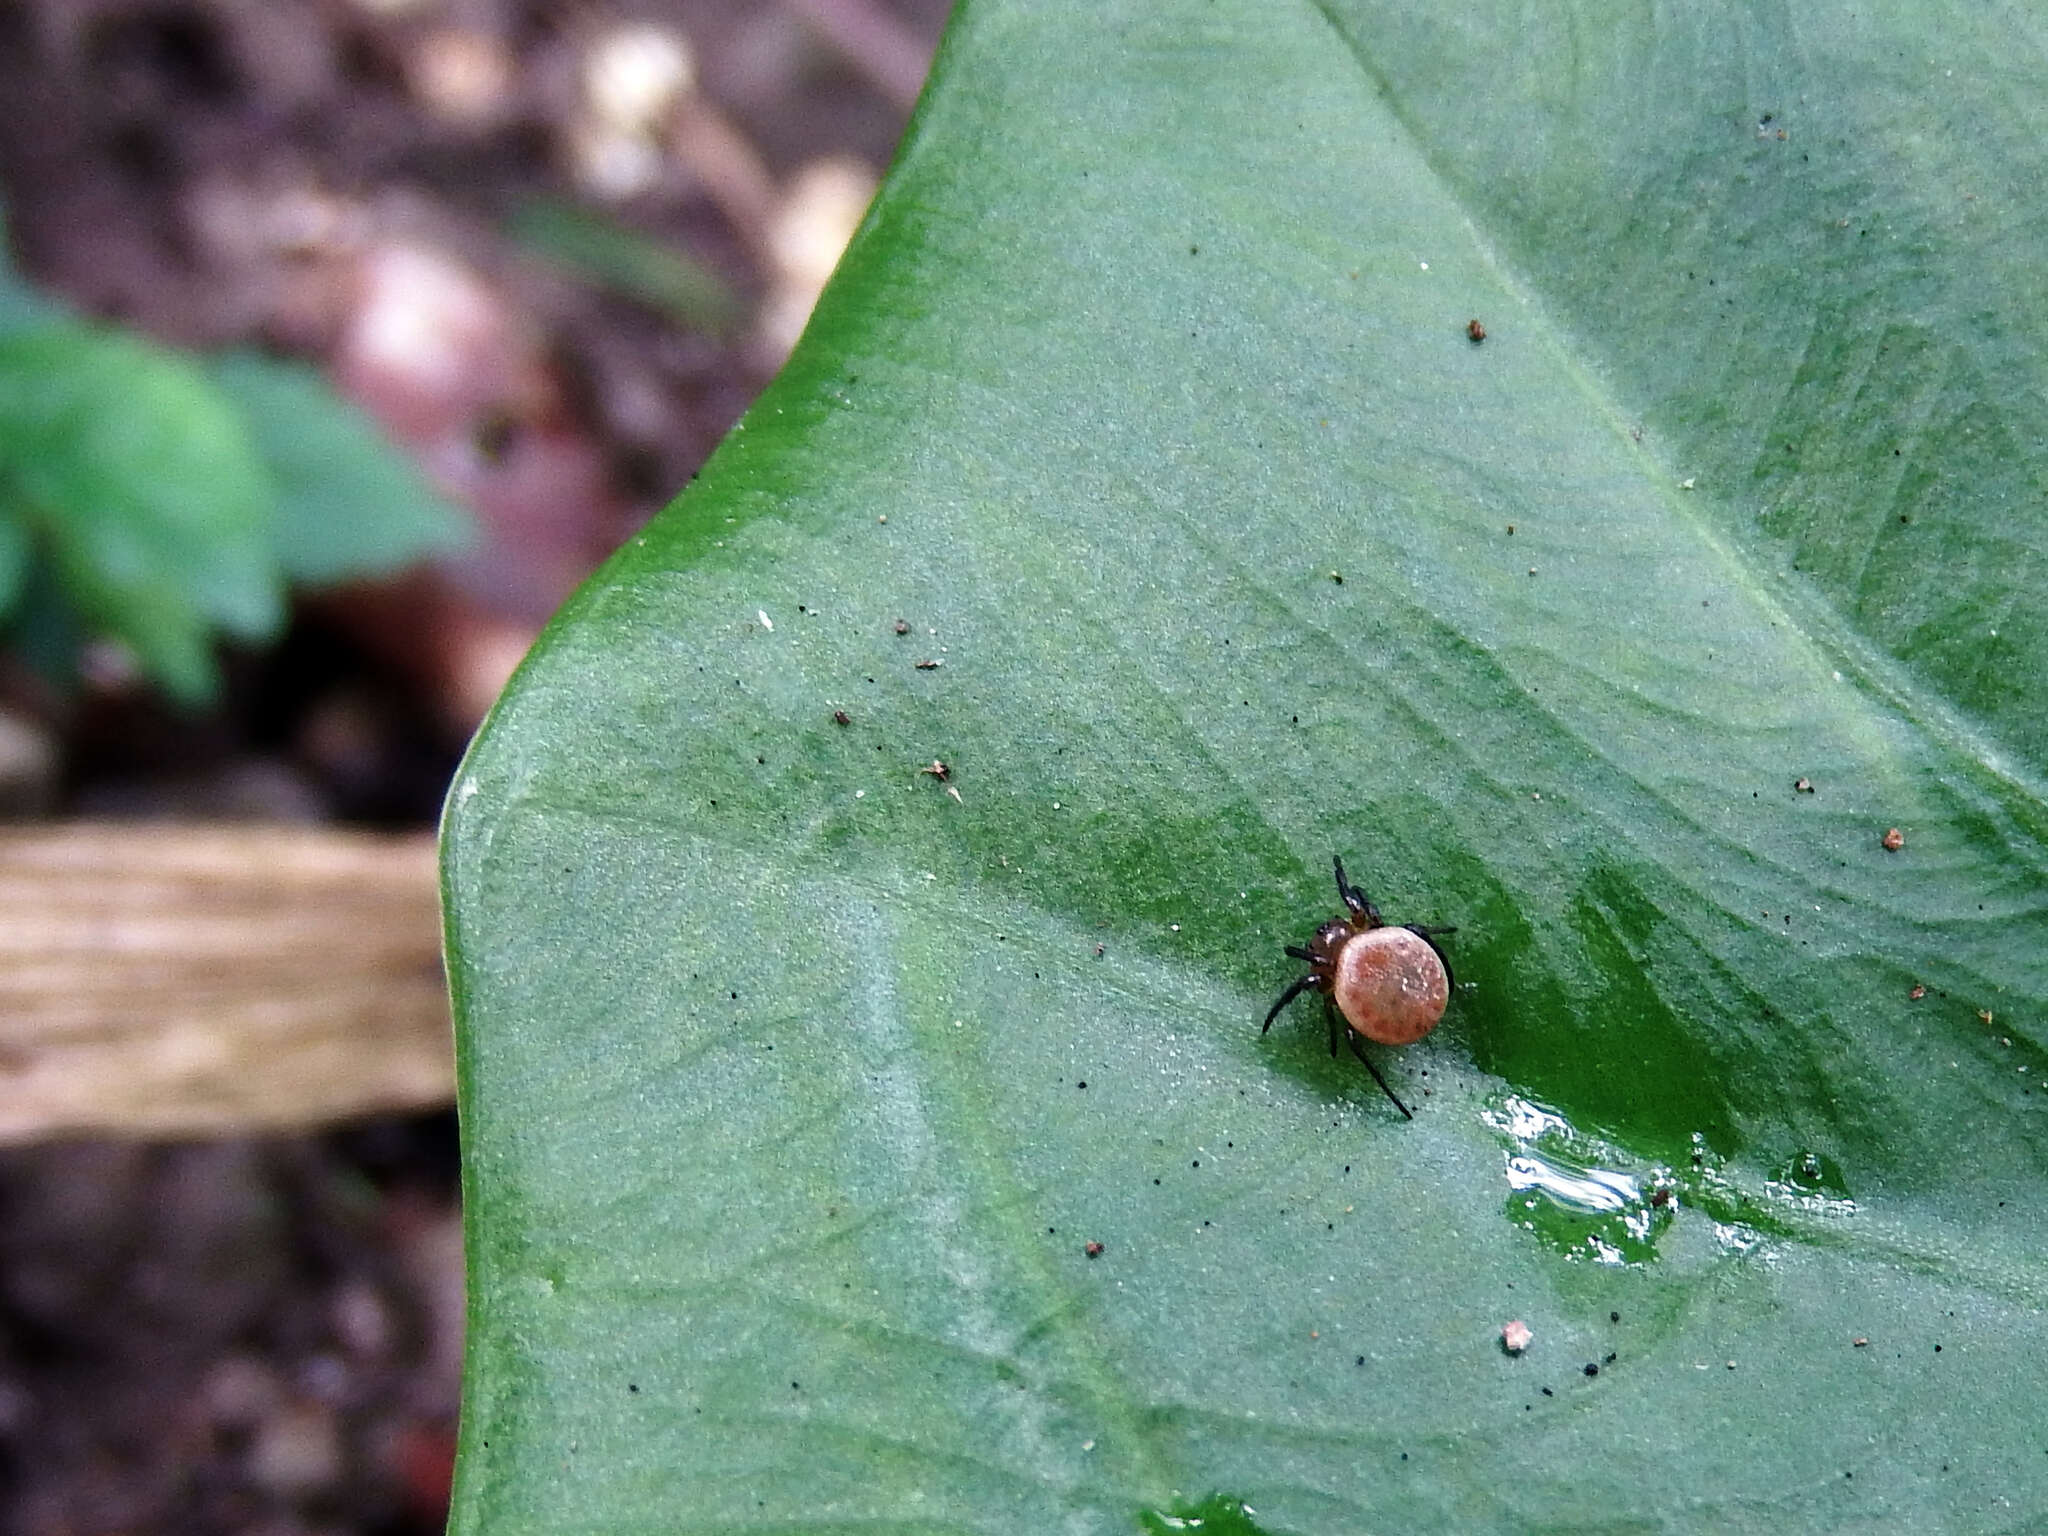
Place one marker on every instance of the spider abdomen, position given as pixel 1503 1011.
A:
pixel 1390 985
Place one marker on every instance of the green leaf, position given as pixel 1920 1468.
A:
pixel 17 557
pixel 1146 399
pixel 21 305
pixel 142 485
pixel 608 253
pixel 350 504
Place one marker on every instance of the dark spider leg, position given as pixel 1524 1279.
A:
pixel 1428 936
pixel 1287 997
pixel 1355 899
pixel 1330 1018
pixel 1299 953
pixel 1359 1051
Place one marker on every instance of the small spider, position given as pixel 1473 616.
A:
pixel 1390 983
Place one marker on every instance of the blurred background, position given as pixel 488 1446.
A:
pixel 339 339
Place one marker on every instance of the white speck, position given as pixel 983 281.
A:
pixel 1087 1445
pixel 883 518
pixel 930 876
pixel 1685 484
pixel 1055 805
pixel 1174 926
pixel 766 623
pixel 1425 266
pixel 467 789
pixel 860 794
pixel 1838 677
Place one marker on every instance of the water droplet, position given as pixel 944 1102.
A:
pixel 1576 1193
pixel 1814 1182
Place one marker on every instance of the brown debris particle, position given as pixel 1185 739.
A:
pixel 1804 786
pixel 901 626
pixel 927 665
pixel 1894 840
pixel 1475 330
pixel 1860 1342
pixel 840 717
pixel 1093 1250
pixel 1515 1336
pixel 938 770
pixel 1917 993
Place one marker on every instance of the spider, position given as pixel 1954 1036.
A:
pixel 1389 982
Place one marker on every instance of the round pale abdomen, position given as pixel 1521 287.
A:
pixel 1390 985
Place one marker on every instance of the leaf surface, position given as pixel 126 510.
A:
pixel 1145 401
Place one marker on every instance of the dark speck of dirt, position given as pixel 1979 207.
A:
pixel 1608 1358
pixel 1592 1368
pixel 840 717
pixel 1548 1393
pixel 1614 1317
pixel 1475 330
pixel 1081 1084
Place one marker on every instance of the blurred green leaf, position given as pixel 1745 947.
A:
pixel 1146 399
pixel 142 486
pixel 350 504
pixel 20 304
pixel 607 253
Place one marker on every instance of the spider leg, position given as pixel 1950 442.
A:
pixel 1330 1018
pixel 1355 899
pixel 1359 1051
pixel 1428 936
pixel 1301 954
pixel 1287 997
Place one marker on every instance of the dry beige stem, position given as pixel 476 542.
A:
pixel 189 980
